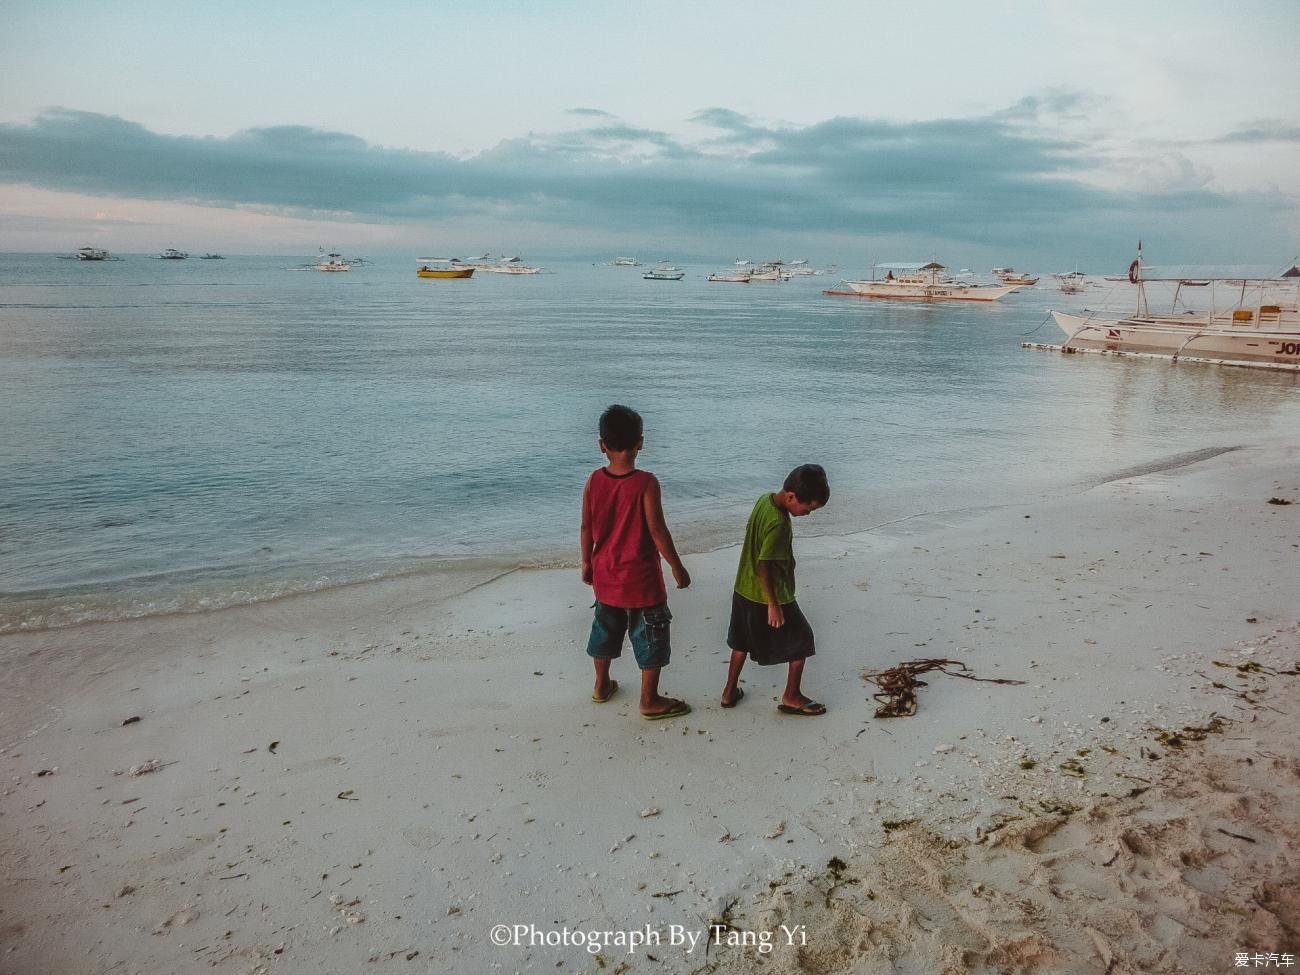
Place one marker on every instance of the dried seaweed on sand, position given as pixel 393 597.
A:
pixel 897 694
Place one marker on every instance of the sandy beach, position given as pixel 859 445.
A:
pixel 377 778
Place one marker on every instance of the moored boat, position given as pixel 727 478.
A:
pixel 664 272
pixel 438 267
pixel 1258 326
pixel 729 277
pixel 172 254
pixel 1009 275
pixel 920 282
pixel 510 268
pixel 89 253
pixel 332 261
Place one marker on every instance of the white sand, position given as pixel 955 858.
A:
pixel 479 786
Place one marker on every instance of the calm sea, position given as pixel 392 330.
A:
pixel 180 435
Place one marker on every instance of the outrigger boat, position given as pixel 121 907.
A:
pixel 1261 328
pixel 332 262
pixel 664 272
pixel 441 267
pixel 920 282
pixel 1009 275
pixel 89 253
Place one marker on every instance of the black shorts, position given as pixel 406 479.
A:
pixel 750 633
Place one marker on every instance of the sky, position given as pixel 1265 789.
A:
pixel 1044 135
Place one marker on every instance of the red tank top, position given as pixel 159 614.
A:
pixel 624 560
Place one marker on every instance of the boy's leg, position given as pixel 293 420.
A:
pixel 648 630
pixel 608 627
pixel 731 693
pixel 794 697
pixel 652 702
pixel 603 681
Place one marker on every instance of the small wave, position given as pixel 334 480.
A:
pixel 30 612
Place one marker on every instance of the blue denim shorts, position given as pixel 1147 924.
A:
pixel 647 628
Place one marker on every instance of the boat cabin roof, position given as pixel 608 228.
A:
pixel 931 266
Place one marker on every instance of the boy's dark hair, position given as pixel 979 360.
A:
pixel 808 482
pixel 620 427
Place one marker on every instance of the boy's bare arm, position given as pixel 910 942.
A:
pixel 775 614
pixel 584 536
pixel 663 539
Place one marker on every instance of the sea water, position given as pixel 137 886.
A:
pixel 183 435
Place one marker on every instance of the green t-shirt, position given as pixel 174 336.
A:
pixel 768 538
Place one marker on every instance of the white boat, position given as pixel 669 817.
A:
pixel 664 272
pixel 1009 275
pixel 625 262
pixel 503 265
pixel 921 282
pixel 729 277
pixel 332 262
pixel 1251 322
pixel 508 269
pixel 772 271
pixel 89 253
pixel 172 254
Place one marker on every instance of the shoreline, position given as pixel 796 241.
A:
pixel 69 607
pixel 353 776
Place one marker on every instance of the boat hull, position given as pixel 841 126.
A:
pixel 1276 344
pixel 453 272
pixel 898 291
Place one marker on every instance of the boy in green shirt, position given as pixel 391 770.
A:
pixel 766 622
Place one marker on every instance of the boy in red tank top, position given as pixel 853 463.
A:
pixel 623 537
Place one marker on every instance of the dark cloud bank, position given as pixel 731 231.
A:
pixel 999 180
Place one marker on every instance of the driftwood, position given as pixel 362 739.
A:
pixel 897 694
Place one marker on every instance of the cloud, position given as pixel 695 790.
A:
pixel 1267 131
pixel 999 180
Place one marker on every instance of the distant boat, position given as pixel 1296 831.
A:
pixel 726 277
pixel 332 262
pixel 1009 275
pixel 625 262
pixel 503 265
pixel 921 282
pixel 511 269
pixel 172 254
pixel 211 257
pixel 772 271
pixel 440 267
pixel 89 253
pixel 664 272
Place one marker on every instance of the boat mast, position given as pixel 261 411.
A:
pixel 1142 307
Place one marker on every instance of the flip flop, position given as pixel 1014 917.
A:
pixel 809 710
pixel 613 686
pixel 674 712
pixel 740 693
